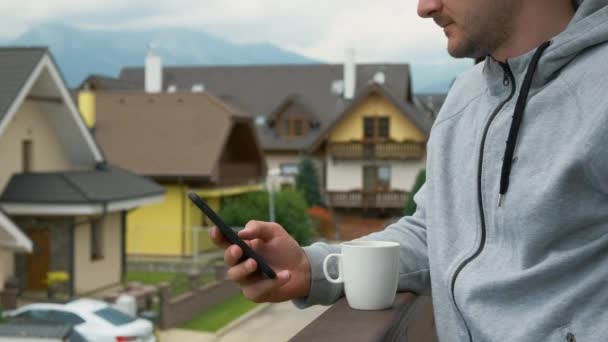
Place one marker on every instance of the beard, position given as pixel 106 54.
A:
pixel 482 30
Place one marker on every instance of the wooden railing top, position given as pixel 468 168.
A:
pixel 410 319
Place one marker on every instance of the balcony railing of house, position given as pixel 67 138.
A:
pixel 393 199
pixel 410 319
pixel 376 150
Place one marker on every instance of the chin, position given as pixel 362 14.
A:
pixel 463 48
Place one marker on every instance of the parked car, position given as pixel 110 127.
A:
pixel 94 320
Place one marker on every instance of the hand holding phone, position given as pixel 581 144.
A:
pixel 232 237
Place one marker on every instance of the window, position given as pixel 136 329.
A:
pixel 56 316
pixel 383 127
pixel 97 239
pixel 114 316
pixel 376 178
pixel 65 317
pixel 376 127
pixel 298 127
pixel 26 155
pixel 289 169
pixel 294 127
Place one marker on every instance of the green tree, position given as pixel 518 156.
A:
pixel 307 181
pixel 290 210
pixel 410 205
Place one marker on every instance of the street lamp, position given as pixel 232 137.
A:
pixel 270 180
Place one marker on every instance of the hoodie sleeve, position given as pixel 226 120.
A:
pixel 409 232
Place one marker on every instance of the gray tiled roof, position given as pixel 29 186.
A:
pixel 16 65
pixel 105 184
pixel 430 103
pixel 258 90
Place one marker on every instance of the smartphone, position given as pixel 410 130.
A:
pixel 232 237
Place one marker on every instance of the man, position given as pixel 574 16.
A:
pixel 511 232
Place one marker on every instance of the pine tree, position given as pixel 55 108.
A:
pixel 410 205
pixel 307 181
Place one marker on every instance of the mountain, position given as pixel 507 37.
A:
pixel 81 52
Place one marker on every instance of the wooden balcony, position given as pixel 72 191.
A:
pixel 376 150
pixel 394 199
pixel 410 319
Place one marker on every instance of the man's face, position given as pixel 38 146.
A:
pixel 473 27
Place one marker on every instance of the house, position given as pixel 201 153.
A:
pixel 297 106
pixel 292 104
pixel 372 153
pixel 186 141
pixel 62 206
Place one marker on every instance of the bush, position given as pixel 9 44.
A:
pixel 290 212
pixel 307 181
pixel 410 205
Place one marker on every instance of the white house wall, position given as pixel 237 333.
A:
pixel 348 175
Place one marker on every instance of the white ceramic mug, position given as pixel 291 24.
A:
pixel 369 271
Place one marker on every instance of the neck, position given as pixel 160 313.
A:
pixel 535 22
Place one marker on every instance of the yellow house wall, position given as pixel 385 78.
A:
pixel 157 229
pixel 351 127
pixel 86 106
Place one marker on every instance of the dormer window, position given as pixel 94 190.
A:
pixel 293 127
pixel 376 127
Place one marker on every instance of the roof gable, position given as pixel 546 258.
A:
pixel 37 76
pixel 421 120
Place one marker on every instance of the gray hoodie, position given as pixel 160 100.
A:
pixel 532 266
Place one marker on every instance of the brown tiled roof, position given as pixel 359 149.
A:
pixel 259 90
pixel 166 134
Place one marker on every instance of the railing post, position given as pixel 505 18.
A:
pixel 164 297
pixel 194 280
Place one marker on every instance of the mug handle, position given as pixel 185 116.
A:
pixel 338 280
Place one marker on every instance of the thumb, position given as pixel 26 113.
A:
pixel 265 231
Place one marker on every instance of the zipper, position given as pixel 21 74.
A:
pixel 508 77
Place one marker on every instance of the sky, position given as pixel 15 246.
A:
pixel 379 30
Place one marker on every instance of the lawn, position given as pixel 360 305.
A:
pixel 178 281
pixel 220 315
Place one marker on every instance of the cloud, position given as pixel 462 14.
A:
pixel 381 30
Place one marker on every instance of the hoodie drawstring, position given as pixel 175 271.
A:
pixel 518 115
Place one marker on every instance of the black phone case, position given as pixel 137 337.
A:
pixel 232 236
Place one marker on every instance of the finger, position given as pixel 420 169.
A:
pixel 218 238
pixel 232 255
pixel 262 290
pixel 265 231
pixel 240 272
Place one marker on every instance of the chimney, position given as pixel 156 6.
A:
pixel 350 75
pixel 153 72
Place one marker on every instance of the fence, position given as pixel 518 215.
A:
pixel 175 311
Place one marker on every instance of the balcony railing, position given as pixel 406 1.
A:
pixel 410 319
pixel 376 150
pixel 394 199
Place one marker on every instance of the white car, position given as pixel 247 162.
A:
pixel 94 320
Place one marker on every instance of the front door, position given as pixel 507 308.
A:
pixel 37 263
